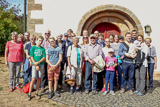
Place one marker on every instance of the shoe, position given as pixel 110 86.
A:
pixel 78 91
pixel 49 94
pixel 11 90
pixel 139 94
pixel 93 92
pixel 122 91
pixel 112 92
pixel 136 92
pixel 28 97
pixel 71 91
pixel 17 88
pixel 150 90
pixel 103 89
pixel 86 92
pixel 56 94
pixel 131 92
pixel 42 90
pixel 106 92
pixel 37 96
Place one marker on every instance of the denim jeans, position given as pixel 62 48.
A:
pixel 128 75
pixel 150 72
pixel 27 75
pixel 109 75
pixel 88 76
pixel 119 69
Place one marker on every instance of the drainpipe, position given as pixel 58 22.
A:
pixel 24 16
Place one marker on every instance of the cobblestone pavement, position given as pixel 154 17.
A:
pixel 119 100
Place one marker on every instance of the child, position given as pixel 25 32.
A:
pixel 37 54
pixel 53 58
pixel 111 63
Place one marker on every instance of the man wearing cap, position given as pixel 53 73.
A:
pixel 92 51
pixel 44 75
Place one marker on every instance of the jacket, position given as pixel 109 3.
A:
pixel 99 65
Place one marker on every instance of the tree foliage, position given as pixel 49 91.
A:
pixel 10 21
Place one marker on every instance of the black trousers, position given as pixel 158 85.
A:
pixel 44 77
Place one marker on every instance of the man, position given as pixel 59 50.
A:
pixel 100 40
pixel 26 38
pixel 134 35
pixel 92 51
pixel 44 75
pixel 127 65
pixel 121 39
pixel 97 34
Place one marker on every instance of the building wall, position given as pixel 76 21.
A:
pixel 60 15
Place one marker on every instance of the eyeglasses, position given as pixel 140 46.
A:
pixel 26 35
pixel 93 38
pixel 85 37
pixel 33 39
pixel 47 33
pixel 65 36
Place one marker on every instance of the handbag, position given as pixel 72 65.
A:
pixel 70 73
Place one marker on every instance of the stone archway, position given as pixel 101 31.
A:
pixel 120 16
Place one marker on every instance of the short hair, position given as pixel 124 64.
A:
pixel 60 35
pixel 148 38
pixel 70 30
pixel 32 36
pixel 134 31
pixel 20 35
pixel 40 37
pixel 27 32
pixel 14 33
pixel 51 38
pixel 75 38
pixel 101 34
pixel 141 37
pixel 127 33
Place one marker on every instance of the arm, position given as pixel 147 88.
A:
pixel 47 60
pixel 68 57
pixel 120 51
pixel 155 65
pixel 60 60
pixel 6 56
pixel 115 65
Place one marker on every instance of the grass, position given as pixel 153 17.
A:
pixel 53 104
pixel 1 88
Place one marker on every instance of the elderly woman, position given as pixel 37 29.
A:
pixel 14 55
pixel 21 37
pixel 152 62
pixel 140 66
pixel 75 62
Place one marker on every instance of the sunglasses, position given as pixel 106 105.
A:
pixel 93 38
pixel 47 33
pixel 85 37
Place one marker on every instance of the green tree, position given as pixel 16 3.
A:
pixel 9 21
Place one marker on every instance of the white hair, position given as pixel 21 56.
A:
pixel 14 33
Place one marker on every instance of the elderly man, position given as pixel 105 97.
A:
pixel 44 75
pixel 92 51
pixel 134 36
pixel 26 38
pixel 97 34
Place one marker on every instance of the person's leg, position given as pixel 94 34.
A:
pixel 150 72
pixel 107 75
pixel 30 74
pixel 78 79
pixel 119 75
pixel 112 73
pixel 61 75
pixel 18 68
pixel 38 84
pixel 88 75
pixel 95 78
pixel 115 77
pixel 34 76
pixel 131 76
pixel 125 67
pixel 137 78
pixel 25 77
pixel 11 70
pixel 142 79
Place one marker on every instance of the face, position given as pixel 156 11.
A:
pixel 148 42
pixel 20 38
pixel 111 39
pixel 14 38
pixel 75 42
pixel 59 37
pixel 85 32
pixel 100 38
pixel 85 38
pixel 107 42
pixel 39 41
pixel 128 37
pixel 32 39
pixel 72 36
pixel 66 38
pixel 69 32
pixel 134 34
pixel 52 42
pixel 116 38
pixel 140 39
pixel 111 53
pixel 26 36
pixel 96 33
pixel 47 34
pixel 121 40
pixel 93 40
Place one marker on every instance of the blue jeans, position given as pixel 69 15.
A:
pixel 128 74
pixel 88 75
pixel 119 69
pixel 150 72
pixel 109 75
pixel 27 75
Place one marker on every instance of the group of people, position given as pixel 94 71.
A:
pixel 43 60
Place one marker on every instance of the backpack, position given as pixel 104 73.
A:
pixel 25 89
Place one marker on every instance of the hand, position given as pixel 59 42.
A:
pixel 30 63
pixel 6 63
pixel 23 61
pixel 134 56
pixel 70 66
pixel 128 55
pixel 35 63
pixel 53 67
pixel 155 66
pixel 107 65
pixel 28 57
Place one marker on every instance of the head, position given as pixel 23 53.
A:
pixel 134 34
pixel 73 35
pixel 75 41
pixel 47 34
pixel 100 37
pixel 85 39
pixel 66 35
pixel 14 36
pixel 121 39
pixel 128 37
pixel 93 38
pixel 33 39
pixel 107 42
pixel 85 32
pixel 26 36
pixel 96 33
pixel 111 52
pixel 40 40
pixel 59 37
pixel 140 38
pixel 111 38
pixel 69 31
pixel 148 41
pixel 116 38
pixel 52 41
pixel 20 37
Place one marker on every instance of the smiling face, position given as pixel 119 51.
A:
pixel 14 38
pixel 75 42
pixel 47 34
pixel 148 42
pixel 111 54
pixel 59 37
pixel 140 39
pixel 107 42
pixel 116 38
pixel 26 36
pixel 93 40
pixel 52 42
pixel 33 39
pixel 134 34
pixel 111 38
pixel 128 37
pixel 39 41
pixel 20 38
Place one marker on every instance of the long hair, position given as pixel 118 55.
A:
pixel 87 40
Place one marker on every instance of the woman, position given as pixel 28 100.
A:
pixel 14 55
pixel 115 46
pixel 72 36
pixel 140 66
pixel 21 38
pixel 75 62
pixel 152 62
pixel 111 38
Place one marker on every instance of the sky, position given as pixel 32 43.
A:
pixel 16 2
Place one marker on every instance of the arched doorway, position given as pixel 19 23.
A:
pixel 106 29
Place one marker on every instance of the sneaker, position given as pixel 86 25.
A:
pixel 106 92
pixel 78 91
pixel 112 92
pixel 150 90
pixel 11 90
pixel 139 94
pixel 71 91
pixel 136 92
pixel 122 91
pixel 131 92
pixel 87 91
pixel 103 89
pixel 56 94
pixel 17 88
pixel 49 94
pixel 42 90
pixel 28 97
pixel 37 96
pixel 94 92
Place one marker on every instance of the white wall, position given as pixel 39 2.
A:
pixel 60 15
